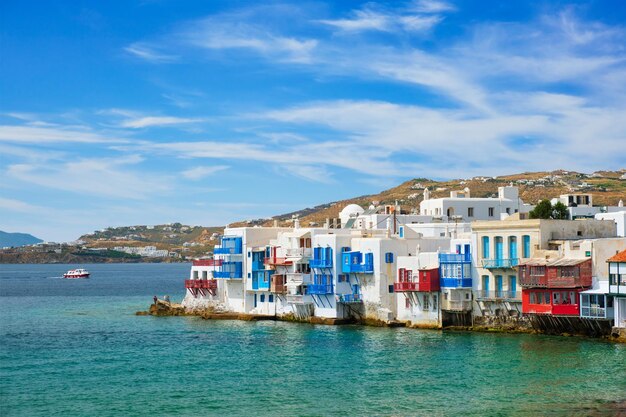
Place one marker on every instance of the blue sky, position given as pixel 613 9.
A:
pixel 143 112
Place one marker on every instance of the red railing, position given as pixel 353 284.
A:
pixel 201 286
pixel 207 262
pixel 405 286
pixel 575 276
pixel 277 261
pixel 424 280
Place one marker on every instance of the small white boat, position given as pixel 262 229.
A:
pixel 76 273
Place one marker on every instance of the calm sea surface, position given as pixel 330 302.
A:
pixel 75 348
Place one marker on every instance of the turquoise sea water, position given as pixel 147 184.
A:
pixel 75 348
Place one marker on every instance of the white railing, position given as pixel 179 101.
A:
pixel 293 252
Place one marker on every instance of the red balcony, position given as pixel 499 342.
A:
pixel 560 273
pixel 201 286
pixel 207 262
pixel 425 280
pixel 551 302
pixel 274 261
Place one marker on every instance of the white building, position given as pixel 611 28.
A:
pixel 619 217
pixel 460 205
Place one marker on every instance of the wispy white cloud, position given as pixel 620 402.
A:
pixel 149 53
pixel 226 31
pixel 101 177
pixel 20 206
pixel 200 172
pixel 431 6
pixel 373 17
pixel 138 120
pixel 41 135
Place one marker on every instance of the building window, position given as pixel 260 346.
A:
pixel 508 210
pixel 262 298
pixel 467 296
pixel 485 247
pixel 533 298
pixel 426 306
pixel 490 211
pixel 389 257
pixel 434 301
pixel 407 303
pixel 526 244
pixel 588 253
pixel 470 212
pixel 271 298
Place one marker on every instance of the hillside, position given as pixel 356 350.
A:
pixel 17 239
pixel 186 240
pixel 607 188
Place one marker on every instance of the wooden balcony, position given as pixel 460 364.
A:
pixel 278 284
pixel 560 273
pixel 201 286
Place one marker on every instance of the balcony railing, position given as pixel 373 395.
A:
pixel 350 298
pixel 207 262
pixel 498 295
pixel 298 277
pixel 405 286
pixel 500 263
pixel 228 274
pixel 321 263
pixel 295 252
pixel 593 312
pixel 273 260
pixel 319 289
pixel 454 258
pixel 551 279
pixel 453 305
pixel 208 284
pixel 455 282
pixel 298 299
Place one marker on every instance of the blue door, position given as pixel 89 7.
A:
pixel 513 285
pixel 499 251
pixel 498 285
pixel 512 248
pixel 486 285
pixel 254 300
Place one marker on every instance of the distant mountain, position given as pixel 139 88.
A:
pixel 17 239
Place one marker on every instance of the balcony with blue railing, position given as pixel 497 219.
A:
pixel 355 263
pixel 261 280
pixel 322 258
pixel 456 282
pixel 454 258
pixel 230 245
pixel 498 263
pixel 353 298
pixel 322 284
pixel 229 270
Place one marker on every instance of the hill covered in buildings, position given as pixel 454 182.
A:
pixel 607 188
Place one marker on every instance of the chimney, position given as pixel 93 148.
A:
pixel 296 223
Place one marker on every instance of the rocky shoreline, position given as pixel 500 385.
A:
pixel 166 309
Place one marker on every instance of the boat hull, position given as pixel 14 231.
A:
pixel 66 276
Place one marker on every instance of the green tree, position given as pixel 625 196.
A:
pixel 559 211
pixel 543 210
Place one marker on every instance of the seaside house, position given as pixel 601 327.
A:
pixel 617 288
pixel 417 289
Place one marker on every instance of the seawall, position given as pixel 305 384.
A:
pixel 534 324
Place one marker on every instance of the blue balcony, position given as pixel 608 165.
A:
pixel 231 245
pixel 353 263
pixel 229 270
pixel 322 284
pixel 350 298
pixel 261 280
pixel 455 282
pixel 322 258
pixel 500 263
pixel 454 258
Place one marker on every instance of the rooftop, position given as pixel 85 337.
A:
pixel 619 257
